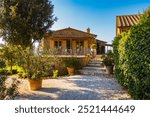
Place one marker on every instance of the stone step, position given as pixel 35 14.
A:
pixel 96 62
pixel 94 65
pixel 89 73
pixel 94 68
pixel 101 74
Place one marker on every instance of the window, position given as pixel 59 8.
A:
pixel 68 42
pixel 80 44
pixel 57 44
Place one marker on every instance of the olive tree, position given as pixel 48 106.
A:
pixel 23 22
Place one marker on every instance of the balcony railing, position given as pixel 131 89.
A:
pixel 83 51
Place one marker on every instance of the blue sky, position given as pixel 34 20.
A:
pixel 99 15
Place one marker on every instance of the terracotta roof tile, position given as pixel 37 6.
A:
pixel 70 32
pixel 127 20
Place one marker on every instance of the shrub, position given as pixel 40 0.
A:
pixel 2 64
pixel 72 62
pixel 14 71
pixel 93 46
pixel 3 72
pixel 8 92
pixel 37 75
pixel 36 65
pixel 118 73
pixel 55 73
pixel 62 71
pixel 123 67
pixel 132 58
pixel 108 59
pixel 9 72
pixel 20 74
pixel 8 54
pixel 25 75
pixel 138 58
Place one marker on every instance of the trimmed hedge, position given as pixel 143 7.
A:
pixel 119 58
pixel 132 58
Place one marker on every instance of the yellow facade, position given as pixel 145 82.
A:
pixel 70 40
pixel 63 44
pixel 74 44
pixel 86 44
pixel 51 43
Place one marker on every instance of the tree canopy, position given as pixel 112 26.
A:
pixel 22 22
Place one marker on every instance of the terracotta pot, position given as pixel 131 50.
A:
pixel 94 47
pixel 109 69
pixel 70 71
pixel 35 84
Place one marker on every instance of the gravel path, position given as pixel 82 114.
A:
pixel 79 87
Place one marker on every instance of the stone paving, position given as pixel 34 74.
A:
pixel 92 84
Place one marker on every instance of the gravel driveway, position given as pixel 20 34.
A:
pixel 79 87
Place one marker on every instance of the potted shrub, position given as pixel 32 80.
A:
pixel 35 82
pixel 32 67
pixel 72 64
pixel 34 72
pixel 93 50
pixel 108 61
pixel 35 65
pixel 93 46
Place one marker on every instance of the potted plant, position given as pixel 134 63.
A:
pixel 35 82
pixel 34 71
pixel 34 66
pixel 72 64
pixel 108 61
pixel 93 46
pixel 93 50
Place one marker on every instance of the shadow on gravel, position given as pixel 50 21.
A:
pixel 81 88
pixel 63 94
pixel 50 90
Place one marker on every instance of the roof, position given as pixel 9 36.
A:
pixel 100 41
pixel 70 32
pixel 127 20
pixel 108 44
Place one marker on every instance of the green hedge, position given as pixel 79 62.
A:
pixel 132 58
pixel 119 58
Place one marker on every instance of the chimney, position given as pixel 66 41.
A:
pixel 88 30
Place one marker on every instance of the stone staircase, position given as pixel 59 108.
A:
pixel 95 68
